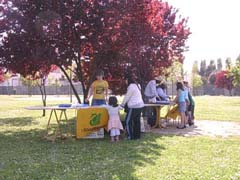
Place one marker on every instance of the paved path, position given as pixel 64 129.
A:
pixel 203 127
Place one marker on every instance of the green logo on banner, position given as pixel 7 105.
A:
pixel 95 119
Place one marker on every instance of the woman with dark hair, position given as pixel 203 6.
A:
pixel 181 99
pixel 134 101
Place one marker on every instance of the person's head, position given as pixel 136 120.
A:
pixel 130 78
pixel 158 79
pixel 99 74
pixel 180 86
pixel 186 83
pixel 112 101
pixel 163 85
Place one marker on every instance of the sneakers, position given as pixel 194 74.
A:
pixel 181 127
pixel 191 124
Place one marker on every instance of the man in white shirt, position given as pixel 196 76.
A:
pixel 151 90
pixel 151 96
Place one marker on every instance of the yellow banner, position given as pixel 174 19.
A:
pixel 90 120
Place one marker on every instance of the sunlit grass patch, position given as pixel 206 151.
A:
pixel 25 154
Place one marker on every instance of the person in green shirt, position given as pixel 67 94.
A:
pixel 191 105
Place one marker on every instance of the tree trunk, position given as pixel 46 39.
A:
pixel 70 81
pixel 42 88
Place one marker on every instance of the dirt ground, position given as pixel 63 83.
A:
pixel 202 128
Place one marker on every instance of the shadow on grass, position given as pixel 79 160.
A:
pixel 25 154
pixel 18 121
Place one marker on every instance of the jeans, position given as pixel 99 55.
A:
pixel 98 102
pixel 133 124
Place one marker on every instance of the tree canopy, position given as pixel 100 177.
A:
pixel 224 80
pixel 144 36
pixel 235 73
pixel 2 77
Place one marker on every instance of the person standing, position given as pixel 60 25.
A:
pixel 99 90
pixel 114 122
pixel 151 96
pixel 191 106
pixel 150 91
pixel 134 101
pixel 181 99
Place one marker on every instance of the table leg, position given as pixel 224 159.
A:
pixel 49 119
pixel 58 118
pixel 58 121
pixel 69 127
pixel 158 118
pixel 63 112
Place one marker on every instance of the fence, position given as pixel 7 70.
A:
pixel 51 90
pixel 66 90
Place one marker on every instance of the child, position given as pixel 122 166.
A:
pixel 114 123
pixel 182 100
pixel 98 89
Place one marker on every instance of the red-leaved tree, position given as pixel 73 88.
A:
pixel 143 36
pixel 224 80
pixel 2 77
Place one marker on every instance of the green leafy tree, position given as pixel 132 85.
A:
pixel 196 82
pixel 235 73
pixel 196 78
pixel 238 59
pixel 195 69
pixel 171 73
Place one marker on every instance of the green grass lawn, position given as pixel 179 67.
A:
pixel 24 154
pixel 217 108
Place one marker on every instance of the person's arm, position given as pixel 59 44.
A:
pixel 127 95
pixel 186 98
pixel 106 92
pixel 152 89
pixel 90 93
pixel 176 98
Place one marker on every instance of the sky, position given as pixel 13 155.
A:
pixel 215 29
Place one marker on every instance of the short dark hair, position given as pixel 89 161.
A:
pixel 131 77
pixel 112 101
pixel 163 86
pixel 99 72
pixel 180 86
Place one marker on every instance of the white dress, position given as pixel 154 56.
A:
pixel 114 118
